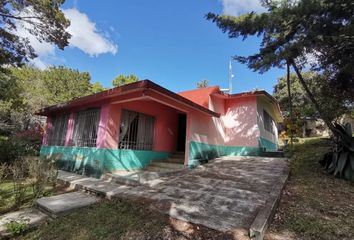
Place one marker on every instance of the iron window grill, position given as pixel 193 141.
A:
pixel 86 127
pixel 136 131
pixel 57 132
pixel 268 122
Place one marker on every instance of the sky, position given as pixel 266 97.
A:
pixel 168 42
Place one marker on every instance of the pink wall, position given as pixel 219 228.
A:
pixel 237 125
pixel 166 121
pixel 70 131
pixel 240 122
pixel 47 129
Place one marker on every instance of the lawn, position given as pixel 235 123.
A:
pixel 120 219
pixel 314 205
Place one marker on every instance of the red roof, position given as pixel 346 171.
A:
pixel 143 85
pixel 200 95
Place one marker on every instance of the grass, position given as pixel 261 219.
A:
pixel 119 219
pixel 314 205
pixel 7 198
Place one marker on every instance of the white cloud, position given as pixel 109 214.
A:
pixel 237 7
pixel 85 35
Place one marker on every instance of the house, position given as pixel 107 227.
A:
pixel 127 127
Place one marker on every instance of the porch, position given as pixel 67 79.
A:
pixel 124 132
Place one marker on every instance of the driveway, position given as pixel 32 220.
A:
pixel 226 194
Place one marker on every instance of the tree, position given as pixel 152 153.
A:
pixel 26 90
pixel 43 19
pixel 97 87
pixel 203 83
pixel 292 31
pixel 302 105
pixel 121 80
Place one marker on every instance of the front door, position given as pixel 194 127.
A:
pixel 181 136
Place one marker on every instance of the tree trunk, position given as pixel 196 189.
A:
pixel 290 103
pixel 312 98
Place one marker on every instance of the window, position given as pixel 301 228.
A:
pixel 86 126
pixel 268 122
pixel 136 131
pixel 57 133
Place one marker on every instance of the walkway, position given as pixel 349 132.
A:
pixel 226 194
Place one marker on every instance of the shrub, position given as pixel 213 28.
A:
pixel 40 173
pixel 22 144
pixel 16 228
pixel 19 172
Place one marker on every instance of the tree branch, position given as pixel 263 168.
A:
pixel 312 98
pixel 18 18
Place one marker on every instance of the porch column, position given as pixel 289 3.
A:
pixel 48 126
pixel 70 131
pixel 188 136
pixel 103 126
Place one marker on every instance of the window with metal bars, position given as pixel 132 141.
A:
pixel 268 122
pixel 136 131
pixel 86 127
pixel 57 132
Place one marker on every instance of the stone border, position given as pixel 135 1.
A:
pixel 264 217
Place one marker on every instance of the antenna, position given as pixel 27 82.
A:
pixel 231 76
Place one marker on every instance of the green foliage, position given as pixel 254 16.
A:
pixel 27 90
pixel 340 161
pixel 335 106
pixel 203 83
pixel 121 80
pixel 43 19
pixel 17 228
pixel 291 31
pixel 97 87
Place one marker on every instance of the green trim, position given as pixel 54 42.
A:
pixel 268 145
pixel 94 161
pixel 203 151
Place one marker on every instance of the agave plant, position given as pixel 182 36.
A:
pixel 340 161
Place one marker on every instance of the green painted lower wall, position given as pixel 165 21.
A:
pixel 94 161
pixel 203 151
pixel 268 145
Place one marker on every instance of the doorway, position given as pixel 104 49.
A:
pixel 181 135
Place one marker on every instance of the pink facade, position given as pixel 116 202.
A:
pixel 211 117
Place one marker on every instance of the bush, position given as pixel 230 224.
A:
pixel 27 143
pixel 40 173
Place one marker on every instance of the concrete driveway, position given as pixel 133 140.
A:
pixel 227 194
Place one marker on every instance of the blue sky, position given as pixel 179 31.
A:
pixel 168 42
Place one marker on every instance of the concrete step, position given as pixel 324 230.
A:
pixel 65 203
pixel 160 169
pixel 279 154
pixel 177 155
pixel 168 165
pixel 131 180
pixel 171 160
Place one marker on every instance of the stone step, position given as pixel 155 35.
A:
pixel 168 165
pixel 160 169
pixel 171 160
pixel 279 154
pixel 65 203
pixel 131 180
pixel 177 155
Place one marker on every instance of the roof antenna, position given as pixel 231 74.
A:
pixel 231 76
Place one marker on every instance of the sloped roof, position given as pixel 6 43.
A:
pixel 200 95
pixel 142 85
